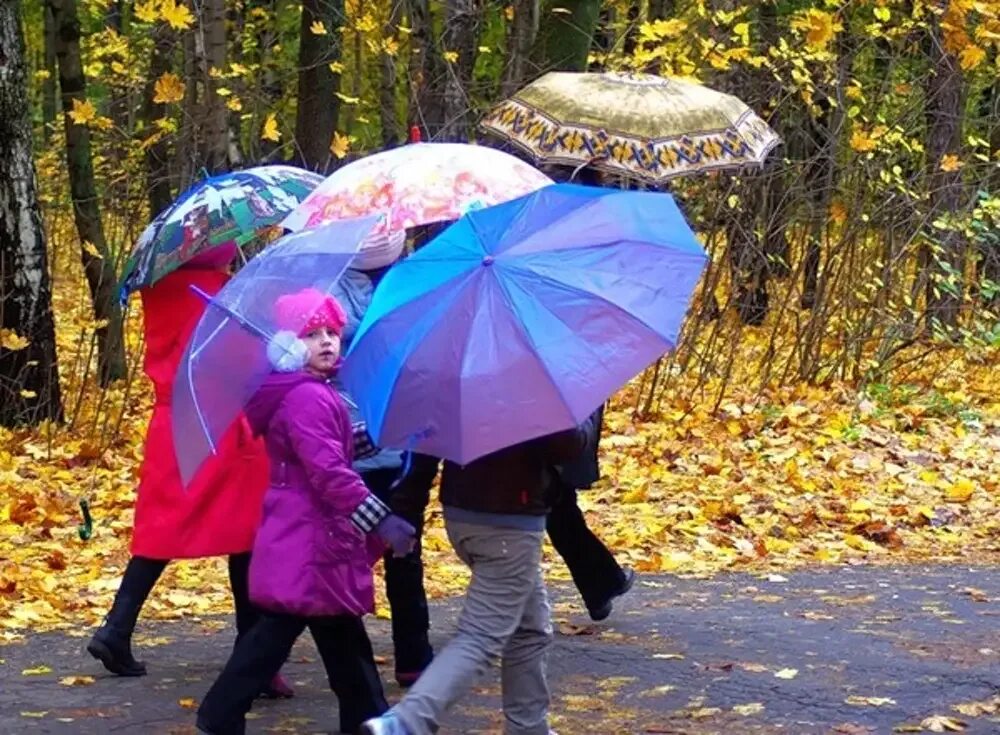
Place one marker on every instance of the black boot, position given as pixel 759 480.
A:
pixel 112 643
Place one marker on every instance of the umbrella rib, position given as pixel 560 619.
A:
pixel 454 291
pixel 577 289
pixel 531 340
pixel 598 356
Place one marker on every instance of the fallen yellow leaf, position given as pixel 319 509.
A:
pixel 37 671
pixel 786 674
pixel 869 701
pixel 76 681
pixel 940 723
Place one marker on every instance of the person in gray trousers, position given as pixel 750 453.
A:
pixel 494 512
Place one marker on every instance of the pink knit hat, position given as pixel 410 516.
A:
pixel 309 309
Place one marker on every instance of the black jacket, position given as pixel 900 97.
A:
pixel 511 481
pixel 584 470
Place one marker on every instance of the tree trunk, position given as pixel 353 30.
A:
pixel 215 123
pixel 316 118
pixel 821 168
pixel 775 209
pixel 49 85
pixel 564 39
pixel 186 162
pixel 461 34
pixel 747 260
pixel 269 83
pixel 662 9
pixel 29 379
pixel 116 192
pixel 158 187
pixel 944 95
pixel 99 268
pixel 391 135
pixel 427 73
pixel 520 39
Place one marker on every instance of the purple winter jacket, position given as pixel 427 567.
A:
pixel 309 559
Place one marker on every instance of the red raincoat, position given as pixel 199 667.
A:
pixel 219 512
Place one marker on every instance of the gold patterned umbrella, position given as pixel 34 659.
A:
pixel 649 127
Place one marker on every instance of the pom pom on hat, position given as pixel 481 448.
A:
pixel 286 352
pixel 309 309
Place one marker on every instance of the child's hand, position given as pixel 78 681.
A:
pixel 397 534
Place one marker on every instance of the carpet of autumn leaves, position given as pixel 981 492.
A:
pixel 796 475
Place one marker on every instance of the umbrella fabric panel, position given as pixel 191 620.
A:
pixel 418 184
pixel 232 207
pixel 498 383
pixel 642 126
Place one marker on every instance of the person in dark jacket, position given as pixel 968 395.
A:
pixel 596 574
pixel 380 470
pixel 494 512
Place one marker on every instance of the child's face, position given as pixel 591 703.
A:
pixel 324 350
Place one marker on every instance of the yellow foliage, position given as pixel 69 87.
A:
pixel 11 340
pixel 819 27
pixel 168 88
pixel 270 130
pixel 83 112
pixel 176 15
pixel 950 162
pixel 971 56
pixel 317 28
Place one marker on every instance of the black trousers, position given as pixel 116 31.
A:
pixel 404 577
pixel 141 576
pixel 347 656
pixel 594 570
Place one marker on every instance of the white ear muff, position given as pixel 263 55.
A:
pixel 286 352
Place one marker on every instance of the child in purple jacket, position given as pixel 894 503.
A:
pixel 320 533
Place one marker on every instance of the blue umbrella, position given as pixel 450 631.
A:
pixel 227 358
pixel 520 319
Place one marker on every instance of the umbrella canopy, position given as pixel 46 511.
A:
pixel 227 360
pixel 229 209
pixel 519 320
pixel 418 184
pixel 648 127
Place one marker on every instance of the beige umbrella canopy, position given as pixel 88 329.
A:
pixel 648 127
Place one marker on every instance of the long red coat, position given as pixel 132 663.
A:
pixel 219 512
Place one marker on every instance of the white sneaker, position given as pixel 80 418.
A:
pixel 387 724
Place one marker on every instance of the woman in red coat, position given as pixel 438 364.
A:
pixel 218 513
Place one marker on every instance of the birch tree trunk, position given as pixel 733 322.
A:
pixel 29 380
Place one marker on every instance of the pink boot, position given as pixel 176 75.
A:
pixel 278 689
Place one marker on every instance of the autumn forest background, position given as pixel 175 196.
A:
pixel 835 396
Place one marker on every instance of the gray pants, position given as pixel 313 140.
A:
pixel 506 615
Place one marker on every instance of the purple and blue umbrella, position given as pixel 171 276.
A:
pixel 521 319
pixel 227 359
